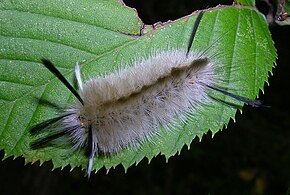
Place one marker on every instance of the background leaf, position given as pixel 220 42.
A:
pixel 250 3
pixel 31 31
pixel 285 8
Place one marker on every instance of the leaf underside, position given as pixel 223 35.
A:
pixel 84 32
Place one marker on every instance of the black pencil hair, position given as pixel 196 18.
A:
pixel 194 30
pixel 37 128
pixel 89 142
pixel 46 141
pixel 248 101
pixel 56 72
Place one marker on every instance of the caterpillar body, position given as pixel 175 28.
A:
pixel 127 107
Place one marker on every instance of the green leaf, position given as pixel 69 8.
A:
pixel 287 6
pixel 101 35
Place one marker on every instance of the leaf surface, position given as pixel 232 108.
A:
pixel 102 35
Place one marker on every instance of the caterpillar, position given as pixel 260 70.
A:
pixel 127 107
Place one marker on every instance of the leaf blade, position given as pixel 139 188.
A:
pixel 27 49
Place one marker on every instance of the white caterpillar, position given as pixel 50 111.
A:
pixel 127 107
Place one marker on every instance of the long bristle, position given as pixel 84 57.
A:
pixel 248 101
pixel 194 30
pixel 48 64
pixel 39 127
pixel 90 150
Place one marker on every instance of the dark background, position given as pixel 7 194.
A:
pixel 252 156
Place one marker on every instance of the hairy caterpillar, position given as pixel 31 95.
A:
pixel 127 107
